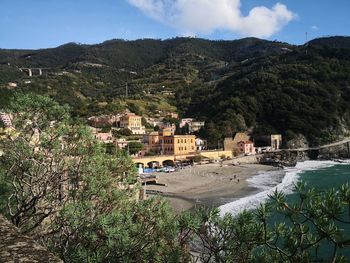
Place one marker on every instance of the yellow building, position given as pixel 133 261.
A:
pixel 133 123
pixel 169 144
pixel 179 144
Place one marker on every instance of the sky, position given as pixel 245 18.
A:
pixel 33 24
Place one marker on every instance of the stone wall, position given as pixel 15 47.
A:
pixel 15 247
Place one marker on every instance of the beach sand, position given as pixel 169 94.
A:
pixel 210 185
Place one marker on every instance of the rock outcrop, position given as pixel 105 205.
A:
pixel 15 247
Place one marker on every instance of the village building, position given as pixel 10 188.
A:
pixel 231 144
pixel 105 137
pixel 121 143
pixel 200 144
pixel 178 144
pixel 152 142
pixel 173 115
pixel 132 122
pixel 166 143
pixel 152 121
pixel 185 121
pixel 193 125
pixel 167 129
pixel 103 121
pixel 246 147
pixel 265 143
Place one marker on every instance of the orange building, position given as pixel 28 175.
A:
pixel 152 142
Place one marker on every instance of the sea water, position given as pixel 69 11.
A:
pixel 321 175
pixel 318 174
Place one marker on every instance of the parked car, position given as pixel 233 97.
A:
pixel 169 169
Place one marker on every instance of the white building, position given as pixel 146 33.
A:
pixel 200 144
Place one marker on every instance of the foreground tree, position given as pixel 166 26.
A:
pixel 314 228
pixel 63 189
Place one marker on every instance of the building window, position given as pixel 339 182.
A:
pixel 185 148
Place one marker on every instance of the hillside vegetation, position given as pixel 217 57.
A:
pixel 247 84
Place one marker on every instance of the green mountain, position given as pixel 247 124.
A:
pixel 247 84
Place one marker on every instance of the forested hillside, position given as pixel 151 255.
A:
pixel 247 84
pixel 306 91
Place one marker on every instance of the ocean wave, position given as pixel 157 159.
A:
pixel 269 182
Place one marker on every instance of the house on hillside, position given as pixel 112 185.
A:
pixel 185 121
pixel 105 137
pixel 193 125
pixel 173 115
pixel 167 129
pixel 132 122
pixel 121 143
pixel 103 121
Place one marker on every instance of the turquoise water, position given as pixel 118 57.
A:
pixel 324 179
pixel 321 175
pixel 327 178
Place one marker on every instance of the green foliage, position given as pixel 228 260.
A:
pixel 135 147
pixel 295 92
pixel 122 132
pixel 171 120
pixel 121 231
pixel 60 174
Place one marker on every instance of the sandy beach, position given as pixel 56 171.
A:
pixel 210 185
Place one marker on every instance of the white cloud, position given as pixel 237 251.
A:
pixel 206 16
pixel 316 28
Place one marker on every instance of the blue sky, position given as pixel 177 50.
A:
pixel 48 23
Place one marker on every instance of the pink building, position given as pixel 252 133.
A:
pixel 183 122
pixel 104 137
pixel 246 147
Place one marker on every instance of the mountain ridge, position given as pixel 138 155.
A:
pixel 199 72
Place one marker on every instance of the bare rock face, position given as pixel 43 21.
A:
pixel 336 152
pixel 298 142
pixel 15 247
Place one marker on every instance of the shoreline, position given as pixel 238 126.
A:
pixel 210 185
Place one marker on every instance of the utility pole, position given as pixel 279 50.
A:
pixel 305 37
pixel 306 44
